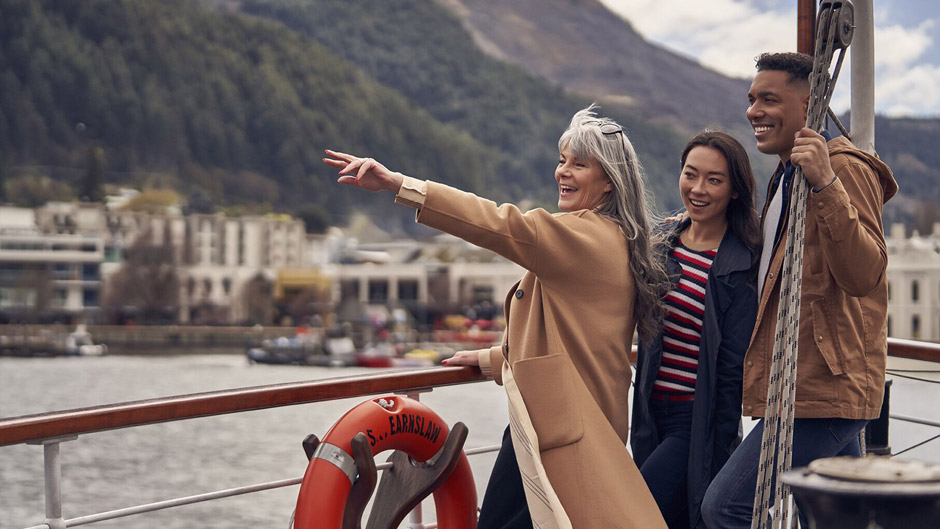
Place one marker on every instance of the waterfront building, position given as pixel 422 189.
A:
pixel 429 279
pixel 216 256
pixel 914 284
pixel 47 276
pixel 227 266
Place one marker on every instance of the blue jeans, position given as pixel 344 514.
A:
pixel 666 468
pixel 729 501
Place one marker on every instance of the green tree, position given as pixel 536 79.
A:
pixel 147 284
pixel 315 217
pixel 32 189
pixel 92 186
pixel 258 297
pixel 153 201
pixel 198 201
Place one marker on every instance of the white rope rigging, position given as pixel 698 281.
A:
pixel 834 32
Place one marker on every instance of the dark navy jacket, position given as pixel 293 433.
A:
pixel 730 311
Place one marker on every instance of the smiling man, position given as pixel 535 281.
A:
pixel 843 305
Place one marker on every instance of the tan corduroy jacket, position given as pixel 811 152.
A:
pixel 565 352
pixel 843 336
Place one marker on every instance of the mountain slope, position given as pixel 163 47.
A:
pixel 234 101
pixel 425 54
pixel 197 98
pixel 585 48
pixel 581 45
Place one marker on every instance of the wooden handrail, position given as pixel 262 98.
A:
pixel 57 424
pixel 926 351
pixel 34 428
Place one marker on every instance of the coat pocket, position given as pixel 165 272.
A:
pixel 549 388
pixel 826 340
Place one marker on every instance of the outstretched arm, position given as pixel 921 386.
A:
pixel 364 173
pixel 502 229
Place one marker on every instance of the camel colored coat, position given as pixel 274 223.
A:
pixel 569 331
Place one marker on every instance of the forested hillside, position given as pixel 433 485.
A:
pixel 426 54
pixel 203 101
pixel 230 103
pixel 236 109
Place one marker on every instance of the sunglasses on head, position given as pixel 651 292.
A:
pixel 608 128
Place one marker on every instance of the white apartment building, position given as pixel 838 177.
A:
pixel 47 276
pixel 914 285
pixel 78 245
pixel 217 255
pixel 444 274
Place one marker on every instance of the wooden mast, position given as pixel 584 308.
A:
pixel 805 27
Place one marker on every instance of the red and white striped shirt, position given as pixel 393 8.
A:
pixel 682 325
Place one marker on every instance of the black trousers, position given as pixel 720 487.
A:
pixel 504 505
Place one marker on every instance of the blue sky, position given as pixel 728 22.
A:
pixel 726 35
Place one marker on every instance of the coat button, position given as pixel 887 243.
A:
pixel 771 275
pixel 820 338
pixel 519 294
pixel 750 363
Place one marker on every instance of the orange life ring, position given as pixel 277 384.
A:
pixel 390 423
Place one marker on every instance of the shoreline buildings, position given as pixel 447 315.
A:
pixel 231 270
pixel 914 284
pixel 58 261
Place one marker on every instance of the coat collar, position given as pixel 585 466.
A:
pixel 732 255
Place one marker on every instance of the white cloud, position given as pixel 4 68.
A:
pixel 910 92
pixel 726 35
pixel 659 19
pixel 904 85
pixel 732 49
pixel 897 47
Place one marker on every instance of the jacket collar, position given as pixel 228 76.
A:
pixel 732 255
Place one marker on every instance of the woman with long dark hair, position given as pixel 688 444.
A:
pixel 687 396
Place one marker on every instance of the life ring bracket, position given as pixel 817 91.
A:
pixel 426 458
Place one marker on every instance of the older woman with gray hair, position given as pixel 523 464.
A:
pixel 564 358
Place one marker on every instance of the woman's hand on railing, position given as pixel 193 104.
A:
pixel 465 358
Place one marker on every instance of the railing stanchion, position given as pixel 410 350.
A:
pixel 53 481
pixel 416 516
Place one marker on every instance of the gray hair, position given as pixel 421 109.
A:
pixel 604 141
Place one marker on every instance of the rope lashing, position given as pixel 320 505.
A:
pixel 834 26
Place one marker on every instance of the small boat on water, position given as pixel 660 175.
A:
pixel 315 346
pixel 51 343
pixel 311 347
pixel 80 343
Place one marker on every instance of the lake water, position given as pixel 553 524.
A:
pixel 118 469
pixel 122 468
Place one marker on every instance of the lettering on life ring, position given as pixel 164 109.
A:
pixel 389 423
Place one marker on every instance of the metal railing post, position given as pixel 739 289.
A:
pixel 416 516
pixel 53 481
